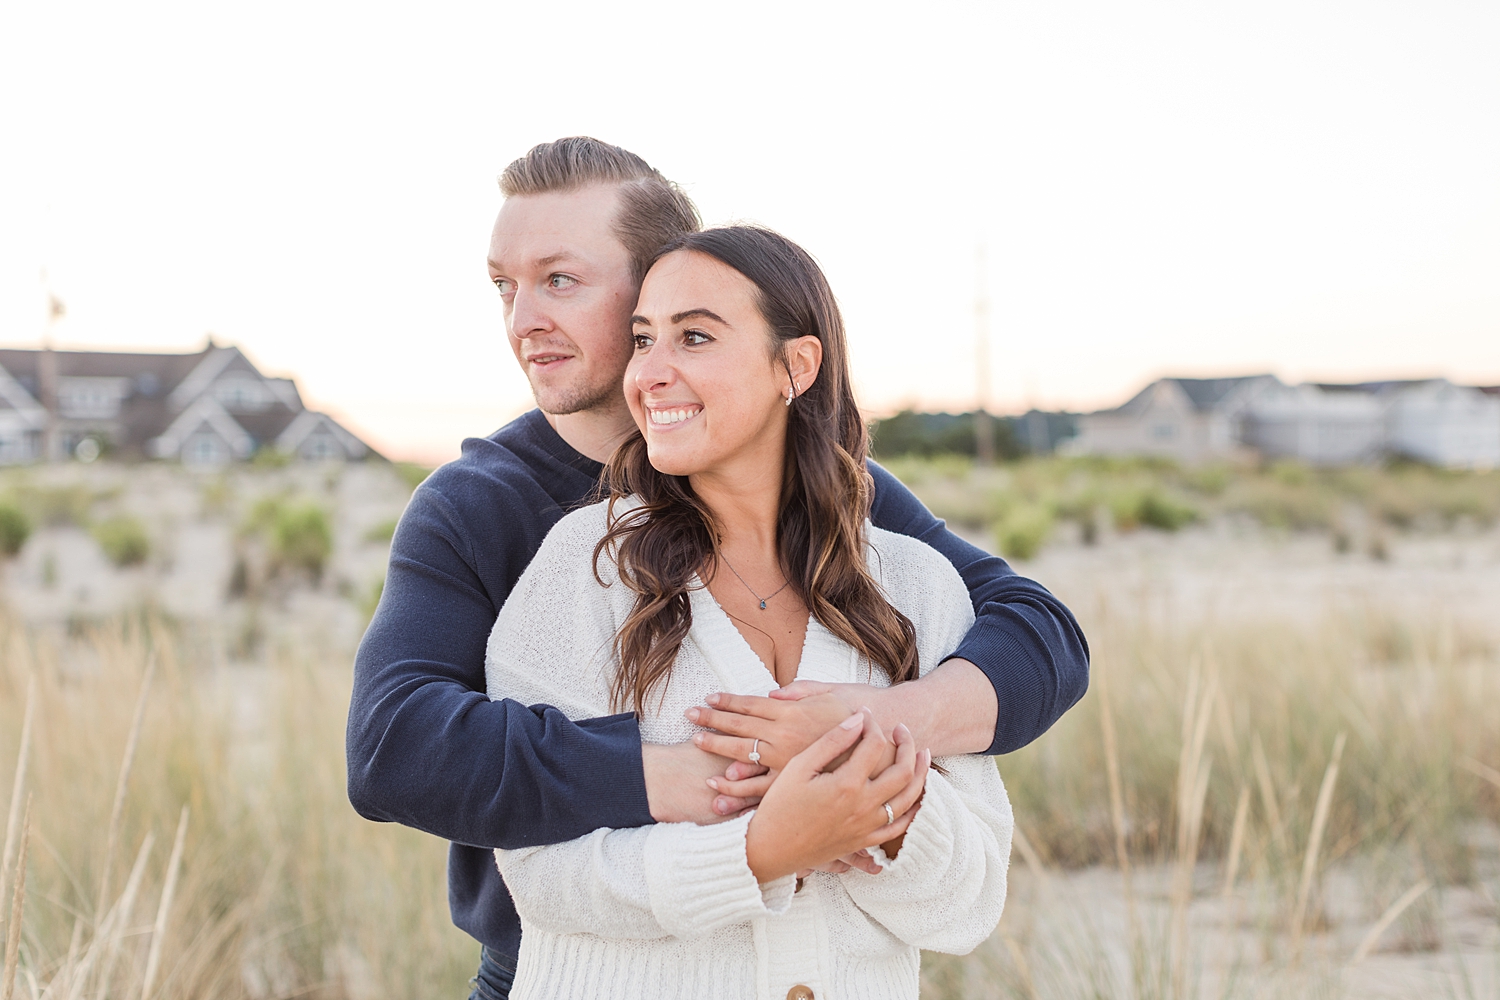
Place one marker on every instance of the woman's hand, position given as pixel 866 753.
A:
pixel 784 728
pixel 814 813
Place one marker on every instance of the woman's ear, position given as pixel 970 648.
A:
pixel 804 357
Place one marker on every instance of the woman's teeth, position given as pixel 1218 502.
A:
pixel 674 416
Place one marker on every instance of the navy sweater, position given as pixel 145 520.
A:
pixel 427 748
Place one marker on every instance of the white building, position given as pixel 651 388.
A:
pixel 206 408
pixel 1196 420
pixel 1186 419
pixel 1445 424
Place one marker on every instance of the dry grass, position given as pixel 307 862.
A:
pixel 240 869
pixel 1238 763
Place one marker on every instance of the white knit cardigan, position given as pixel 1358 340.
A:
pixel 672 910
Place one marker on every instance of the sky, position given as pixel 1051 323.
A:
pixel 1309 188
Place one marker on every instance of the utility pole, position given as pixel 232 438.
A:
pixel 984 430
pixel 46 376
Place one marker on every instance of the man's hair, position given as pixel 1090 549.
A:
pixel 653 210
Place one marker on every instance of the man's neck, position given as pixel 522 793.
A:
pixel 594 433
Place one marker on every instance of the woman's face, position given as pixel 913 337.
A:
pixel 703 385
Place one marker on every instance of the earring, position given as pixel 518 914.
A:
pixel 791 391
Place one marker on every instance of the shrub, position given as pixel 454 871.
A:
pixel 1023 531
pixel 301 539
pixel 124 540
pixel 412 474
pixel 382 532
pixel 1157 510
pixel 15 528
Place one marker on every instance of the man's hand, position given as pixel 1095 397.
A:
pixel 680 785
pixel 950 710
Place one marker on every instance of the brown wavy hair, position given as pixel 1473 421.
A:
pixel 672 536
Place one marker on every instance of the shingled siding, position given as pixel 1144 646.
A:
pixel 205 408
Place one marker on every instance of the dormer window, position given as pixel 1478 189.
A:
pixel 239 392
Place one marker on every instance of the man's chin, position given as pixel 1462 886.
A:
pixel 557 402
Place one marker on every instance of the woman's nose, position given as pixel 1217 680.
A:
pixel 654 372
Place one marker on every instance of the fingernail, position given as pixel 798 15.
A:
pixel 853 722
pixel 713 783
pixel 866 708
pixel 692 714
pixel 713 700
pixel 697 739
pixel 720 806
pixel 901 728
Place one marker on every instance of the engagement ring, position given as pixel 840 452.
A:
pixel 755 758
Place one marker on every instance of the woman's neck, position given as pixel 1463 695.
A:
pixel 746 504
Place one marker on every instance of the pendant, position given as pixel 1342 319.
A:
pixel 763 605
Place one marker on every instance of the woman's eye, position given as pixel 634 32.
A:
pixel 693 338
pixel 641 341
pixel 561 281
pixel 504 285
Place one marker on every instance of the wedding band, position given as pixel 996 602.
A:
pixel 755 757
pixel 890 817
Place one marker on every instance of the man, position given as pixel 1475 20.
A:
pixel 579 225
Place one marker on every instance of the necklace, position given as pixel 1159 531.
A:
pixel 762 600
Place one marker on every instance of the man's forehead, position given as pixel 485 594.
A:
pixel 538 243
pixel 517 253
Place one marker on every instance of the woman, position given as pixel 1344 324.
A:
pixel 734 554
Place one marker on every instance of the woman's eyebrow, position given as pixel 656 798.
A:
pixel 705 313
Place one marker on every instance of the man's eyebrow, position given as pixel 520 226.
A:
pixel 546 261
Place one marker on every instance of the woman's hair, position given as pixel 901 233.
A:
pixel 825 493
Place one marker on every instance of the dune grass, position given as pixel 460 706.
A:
pixel 1262 753
pixel 1023 503
pixel 281 890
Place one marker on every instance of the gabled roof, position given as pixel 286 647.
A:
pixel 1207 393
pixel 204 410
pixel 14 397
pixel 1202 393
pixel 308 423
pixel 168 369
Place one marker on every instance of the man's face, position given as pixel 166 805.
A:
pixel 568 292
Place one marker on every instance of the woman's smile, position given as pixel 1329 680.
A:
pixel 670 416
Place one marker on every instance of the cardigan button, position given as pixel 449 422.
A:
pixel 799 993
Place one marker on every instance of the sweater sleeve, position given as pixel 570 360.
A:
pixel 425 746
pixel 1024 639
pixel 946 888
pixel 667 880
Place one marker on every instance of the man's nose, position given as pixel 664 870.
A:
pixel 529 315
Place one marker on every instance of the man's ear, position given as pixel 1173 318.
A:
pixel 804 358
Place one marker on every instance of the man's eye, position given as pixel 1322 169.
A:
pixel 504 285
pixel 693 338
pixel 641 341
pixel 561 281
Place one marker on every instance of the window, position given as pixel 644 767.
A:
pixel 204 448
pixel 242 392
